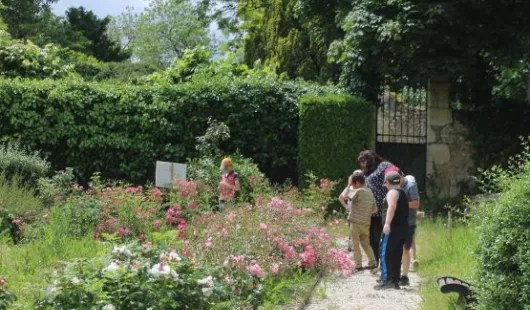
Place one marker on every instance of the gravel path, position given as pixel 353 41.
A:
pixel 357 292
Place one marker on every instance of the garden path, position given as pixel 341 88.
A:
pixel 357 292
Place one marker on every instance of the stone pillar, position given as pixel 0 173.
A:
pixel 448 153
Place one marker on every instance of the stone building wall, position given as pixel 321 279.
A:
pixel 449 154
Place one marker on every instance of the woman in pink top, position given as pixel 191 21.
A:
pixel 229 183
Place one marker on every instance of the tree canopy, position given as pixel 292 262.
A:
pixel 162 32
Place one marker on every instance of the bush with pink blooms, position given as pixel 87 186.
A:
pixel 172 251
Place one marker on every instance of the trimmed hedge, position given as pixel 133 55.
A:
pixel 334 128
pixel 121 130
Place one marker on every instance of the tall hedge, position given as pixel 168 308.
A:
pixel 121 130
pixel 333 129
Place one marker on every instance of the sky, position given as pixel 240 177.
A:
pixel 102 8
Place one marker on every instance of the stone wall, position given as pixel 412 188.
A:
pixel 449 154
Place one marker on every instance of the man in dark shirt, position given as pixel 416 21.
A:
pixel 395 229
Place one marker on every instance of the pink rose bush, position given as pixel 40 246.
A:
pixel 170 239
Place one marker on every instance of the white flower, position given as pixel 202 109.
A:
pixel 114 266
pixel 121 250
pixel 208 281
pixel 160 269
pixel 75 280
pixel 207 291
pixel 109 307
pixel 174 274
pixel 174 256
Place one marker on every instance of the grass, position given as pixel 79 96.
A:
pixel 444 252
pixel 29 267
pixel 16 197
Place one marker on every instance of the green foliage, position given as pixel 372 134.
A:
pixel 16 198
pixel 27 60
pixel 22 16
pixel 444 251
pixel 125 72
pixel 162 32
pixel 291 36
pixel 494 130
pixel 15 162
pixel 504 256
pixel 207 170
pixel 94 29
pixel 91 127
pixel 333 130
pixel 478 43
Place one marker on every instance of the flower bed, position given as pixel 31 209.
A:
pixel 172 252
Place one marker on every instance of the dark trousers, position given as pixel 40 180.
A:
pixel 376 228
pixel 391 253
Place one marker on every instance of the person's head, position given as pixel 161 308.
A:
pixel 369 160
pixel 357 179
pixel 392 180
pixel 226 165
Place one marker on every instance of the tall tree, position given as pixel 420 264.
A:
pixel 476 42
pixel 94 29
pixel 162 32
pixel 21 16
pixel 293 36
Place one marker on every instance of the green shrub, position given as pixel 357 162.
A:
pixel 333 130
pixel 207 170
pixel 121 130
pixel 14 161
pixel 504 235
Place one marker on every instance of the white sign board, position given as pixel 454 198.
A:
pixel 167 173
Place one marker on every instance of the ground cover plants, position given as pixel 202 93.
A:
pixel 114 246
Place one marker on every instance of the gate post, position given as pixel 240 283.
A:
pixel 448 153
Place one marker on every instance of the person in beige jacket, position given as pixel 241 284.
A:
pixel 362 207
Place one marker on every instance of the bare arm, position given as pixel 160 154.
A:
pixel 374 209
pixel 414 204
pixel 343 197
pixel 392 198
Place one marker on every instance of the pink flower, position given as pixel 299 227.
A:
pixel 341 261
pixel 229 280
pixel 324 183
pixel 124 231
pixel 193 205
pixel 186 250
pixel 156 193
pixel 230 217
pixel 187 189
pixel 308 256
pixel 263 226
pixel 255 270
pixel 2 282
pixel 157 224
pixel 208 243
pixel 275 268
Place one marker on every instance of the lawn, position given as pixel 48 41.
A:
pixel 444 252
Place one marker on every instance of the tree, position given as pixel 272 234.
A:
pixel 475 42
pixel 56 30
pixel 22 15
pixel 162 32
pixel 292 36
pixel 94 29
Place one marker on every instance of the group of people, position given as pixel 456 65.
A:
pixel 382 206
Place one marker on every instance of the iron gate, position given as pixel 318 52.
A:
pixel 401 135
